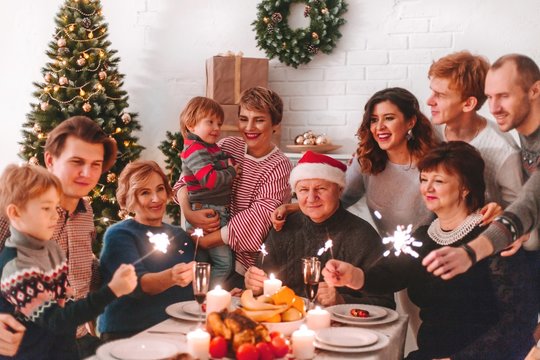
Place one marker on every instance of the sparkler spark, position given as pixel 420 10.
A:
pixel 402 242
pixel 263 252
pixel 198 232
pixel 327 246
pixel 161 243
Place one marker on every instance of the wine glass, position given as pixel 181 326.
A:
pixel 311 268
pixel 201 281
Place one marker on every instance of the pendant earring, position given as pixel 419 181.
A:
pixel 409 135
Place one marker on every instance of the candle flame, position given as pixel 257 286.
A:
pixel 272 277
pixel 402 242
pixel 160 241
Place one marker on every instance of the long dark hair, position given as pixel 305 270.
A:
pixel 371 157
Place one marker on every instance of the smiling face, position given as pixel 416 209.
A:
pixel 256 128
pixel 150 201
pixel 78 167
pixel 442 192
pixel 508 102
pixel 208 129
pixel 39 215
pixel 389 127
pixel 318 199
pixel 446 104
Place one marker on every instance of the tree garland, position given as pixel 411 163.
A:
pixel 295 47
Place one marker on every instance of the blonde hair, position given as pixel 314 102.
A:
pixel 20 184
pixel 196 109
pixel 131 179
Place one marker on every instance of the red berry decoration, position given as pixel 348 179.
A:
pixel 360 313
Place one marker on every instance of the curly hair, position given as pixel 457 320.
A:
pixel 371 157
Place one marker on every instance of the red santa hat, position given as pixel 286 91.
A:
pixel 318 166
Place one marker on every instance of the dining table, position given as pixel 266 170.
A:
pixel 175 330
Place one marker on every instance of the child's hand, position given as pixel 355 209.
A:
pixel 124 280
pixel 238 170
pixel 231 162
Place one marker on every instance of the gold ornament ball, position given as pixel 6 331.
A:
pixel 309 141
pixel 314 35
pixel 266 20
pixel 63 80
pixel 111 177
pixel 44 106
pixel 309 135
pixel 47 77
pixel 61 42
pixel 173 144
pixel 33 161
pixel 321 140
pixel 126 118
pixel 102 75
pixel 299 140
pixel 87 107
pixel 81 61
pixel 324 11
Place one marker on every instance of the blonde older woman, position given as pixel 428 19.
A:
pixel 163 278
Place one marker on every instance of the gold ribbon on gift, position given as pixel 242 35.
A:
pixel 237 72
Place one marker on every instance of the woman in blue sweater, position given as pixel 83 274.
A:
pixel 163 277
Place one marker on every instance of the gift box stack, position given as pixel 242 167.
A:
pixel 226 78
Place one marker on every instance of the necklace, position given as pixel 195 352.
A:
pixel 444 238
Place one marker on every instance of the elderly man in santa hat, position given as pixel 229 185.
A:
pixel 318 181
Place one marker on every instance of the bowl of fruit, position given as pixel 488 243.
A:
pixel 236 336
pixel 283 312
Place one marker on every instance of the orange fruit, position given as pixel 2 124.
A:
pixel 274 319
pixel 298 304
pixel 284 295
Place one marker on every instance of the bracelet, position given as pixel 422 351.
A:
pixel 470 252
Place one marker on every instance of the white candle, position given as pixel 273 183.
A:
pixel 318 319
pixel 272 285
pixel 198 343
pixel 302 343
pixel 217 300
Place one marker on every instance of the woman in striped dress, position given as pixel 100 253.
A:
pixel 261 187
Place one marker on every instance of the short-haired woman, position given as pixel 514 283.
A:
pixel 163 277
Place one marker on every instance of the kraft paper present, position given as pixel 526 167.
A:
pixel 228 76
pixel 231 114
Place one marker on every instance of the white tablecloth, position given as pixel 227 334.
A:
pixel 175 330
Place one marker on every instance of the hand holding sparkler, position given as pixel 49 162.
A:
pixel 182 274
pixel 124 280
pixel 339 273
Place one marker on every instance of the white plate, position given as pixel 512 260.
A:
pixel 344 311
pixel 105 351
pixel 347 337
pixel 176 311
pixel 382 342
pixel 192 308
pixel 391 317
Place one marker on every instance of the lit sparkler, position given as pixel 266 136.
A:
pixel 161 243
pixel 327 246
pixel 402 242
pixel 263 252
pixel 198 232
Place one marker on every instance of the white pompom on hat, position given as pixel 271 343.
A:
pixel 313 165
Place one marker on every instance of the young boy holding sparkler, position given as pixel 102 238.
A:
pixel 208 171
pixel 34 270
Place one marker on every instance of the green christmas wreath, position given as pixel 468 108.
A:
pixel 295 47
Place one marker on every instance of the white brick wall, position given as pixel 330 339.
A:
pixel 163 45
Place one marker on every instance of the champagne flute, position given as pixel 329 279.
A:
pixel 311 268
pixel 201 282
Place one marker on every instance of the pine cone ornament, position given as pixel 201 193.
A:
pixel 313 49
pixel 270 28
pixel 86 23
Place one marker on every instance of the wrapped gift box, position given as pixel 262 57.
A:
pixel 231 114
pixel 228 76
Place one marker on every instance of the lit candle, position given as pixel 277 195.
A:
pixel 318 319
pixel 217 300
pixel 272 285
pixel 198 343
pixel 302 343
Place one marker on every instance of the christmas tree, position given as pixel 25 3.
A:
pixel 82 78
pixel 171 148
